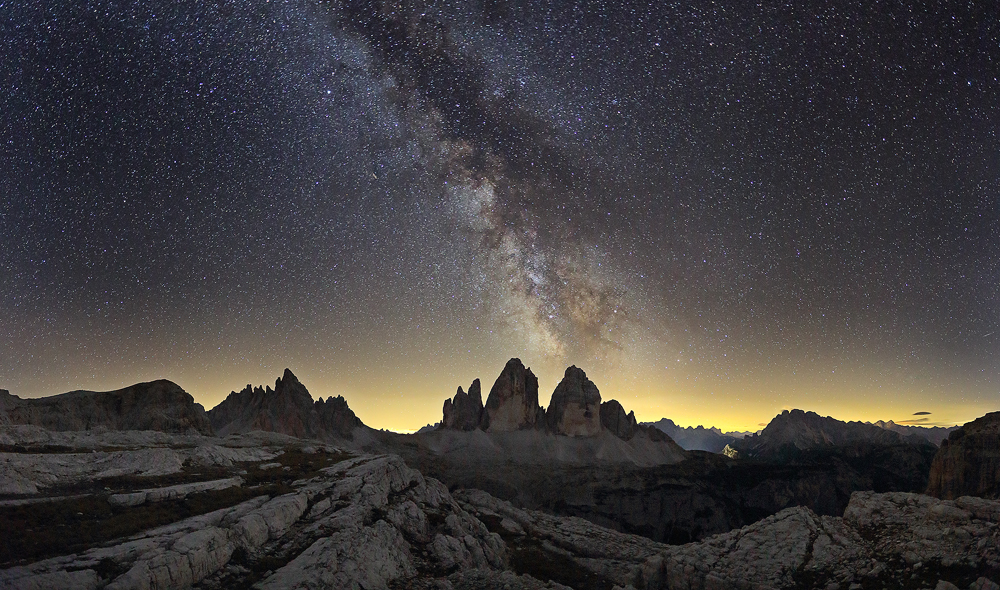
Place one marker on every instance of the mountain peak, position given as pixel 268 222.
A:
pixel 288 408
pixel 513 400
pixel 575 408
pixel 798 429
pixel 287 376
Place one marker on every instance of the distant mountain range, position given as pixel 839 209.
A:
pixel 934 434
pixel 575 411
pixel 796 430
pixel 697 438
pixel 804 430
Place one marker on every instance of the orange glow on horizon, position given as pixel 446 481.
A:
pixel 407 398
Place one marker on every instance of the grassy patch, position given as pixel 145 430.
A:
pixel 295 465
pixel 531 557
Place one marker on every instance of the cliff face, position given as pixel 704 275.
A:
pixel 513 400
pixel 613 418
pixel 465 412
pixel 286 409
pixel 158 405
pixel 575 409
pixel 968 462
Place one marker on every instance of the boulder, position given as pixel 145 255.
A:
pixel 575 408
pixel 174 492
pixel 465 412
pixel 513 400
pixel 968 462
pixel 613 418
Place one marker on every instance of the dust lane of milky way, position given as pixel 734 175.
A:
pixel 719 210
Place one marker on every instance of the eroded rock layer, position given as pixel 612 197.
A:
pixel 362 523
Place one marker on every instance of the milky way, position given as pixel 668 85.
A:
pixel 717 209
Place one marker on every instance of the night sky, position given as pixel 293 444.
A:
pixel 717 209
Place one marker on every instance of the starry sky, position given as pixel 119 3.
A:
pixel 717 209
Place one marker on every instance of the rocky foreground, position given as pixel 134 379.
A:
pixel 268 511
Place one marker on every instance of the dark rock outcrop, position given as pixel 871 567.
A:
pixel 968 462
pixel 513 400
pixel 158 405
pixel 333 418
pixel 575 408
pixel 613 418
pixel 7 402
pixel 465 412
pixel 287 409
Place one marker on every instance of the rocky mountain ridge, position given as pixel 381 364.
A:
pixel 287 409
pixel 714 440
pixel 575 408
pixel 268 510
pixel 157 405
pixel 793 431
